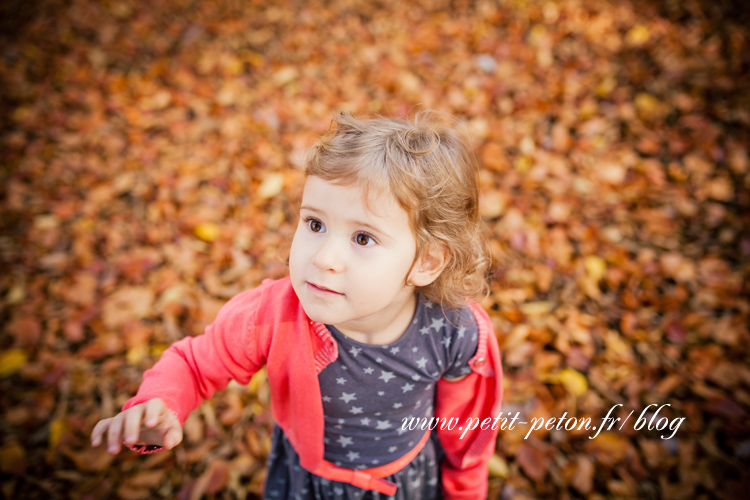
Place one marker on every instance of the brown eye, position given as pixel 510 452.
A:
pixel 363 239
pixel 315 225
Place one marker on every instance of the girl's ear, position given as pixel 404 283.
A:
pixel 429 266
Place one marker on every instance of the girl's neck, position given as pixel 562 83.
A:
pixel 384 330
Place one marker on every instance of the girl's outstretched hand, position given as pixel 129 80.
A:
pixel 150 423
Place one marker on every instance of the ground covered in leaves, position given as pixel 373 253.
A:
pixel 145 179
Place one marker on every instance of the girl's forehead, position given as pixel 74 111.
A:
pixel 376 201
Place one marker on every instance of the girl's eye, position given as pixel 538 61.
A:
pixel 315 225
pixel 364 240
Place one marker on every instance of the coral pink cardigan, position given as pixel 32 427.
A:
pixel 267 326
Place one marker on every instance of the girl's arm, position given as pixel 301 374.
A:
pixel 190 371
pixel 194 368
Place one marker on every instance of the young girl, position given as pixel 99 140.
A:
pixel 370 336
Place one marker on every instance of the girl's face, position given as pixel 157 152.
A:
pixel 349 264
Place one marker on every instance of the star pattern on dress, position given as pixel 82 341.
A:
pixel 370 392
pixel 382 425
pixel 346 397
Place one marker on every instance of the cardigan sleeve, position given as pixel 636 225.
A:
pixel 194 368
pixel 475 401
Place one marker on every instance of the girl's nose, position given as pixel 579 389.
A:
pixel 328 256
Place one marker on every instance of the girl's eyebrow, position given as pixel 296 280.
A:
pixel 355 222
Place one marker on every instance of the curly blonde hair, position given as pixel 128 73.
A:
pixel 433 176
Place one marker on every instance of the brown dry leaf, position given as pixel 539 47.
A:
pixel 583 479
pixel 609 447
pixel 149 479
pixel 127 304
pixel 12 458
pixel 533 462
pixel 90 459
pixel 212 480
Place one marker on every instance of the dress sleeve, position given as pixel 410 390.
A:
pixel 475 401
pixel 462 345
pixel 192 369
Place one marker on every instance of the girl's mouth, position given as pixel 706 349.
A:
pixel 323 291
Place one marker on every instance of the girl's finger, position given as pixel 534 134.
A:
pixel 114 434
pixel 99 429
pixel 154 410
pixel 172 437
pixel 132 424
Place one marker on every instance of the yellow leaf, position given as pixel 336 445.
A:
pixel 271 186
pixel 647 105
pixel 595 267
pixel 233 66
pixel 606 86
pixel 522 164
pixel 208 231
pixel 575 383
pixel 498 467
pixel 254 58
pixel 257 381
pixel 158 349
pixel 136 354
pixel 638 35
pixel 540 307
pixel 11 361
pixel 56 429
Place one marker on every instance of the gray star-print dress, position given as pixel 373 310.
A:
pixel 370 395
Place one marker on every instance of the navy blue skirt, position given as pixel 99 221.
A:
pixel 287 480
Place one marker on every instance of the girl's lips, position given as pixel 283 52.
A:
pixel 320 290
